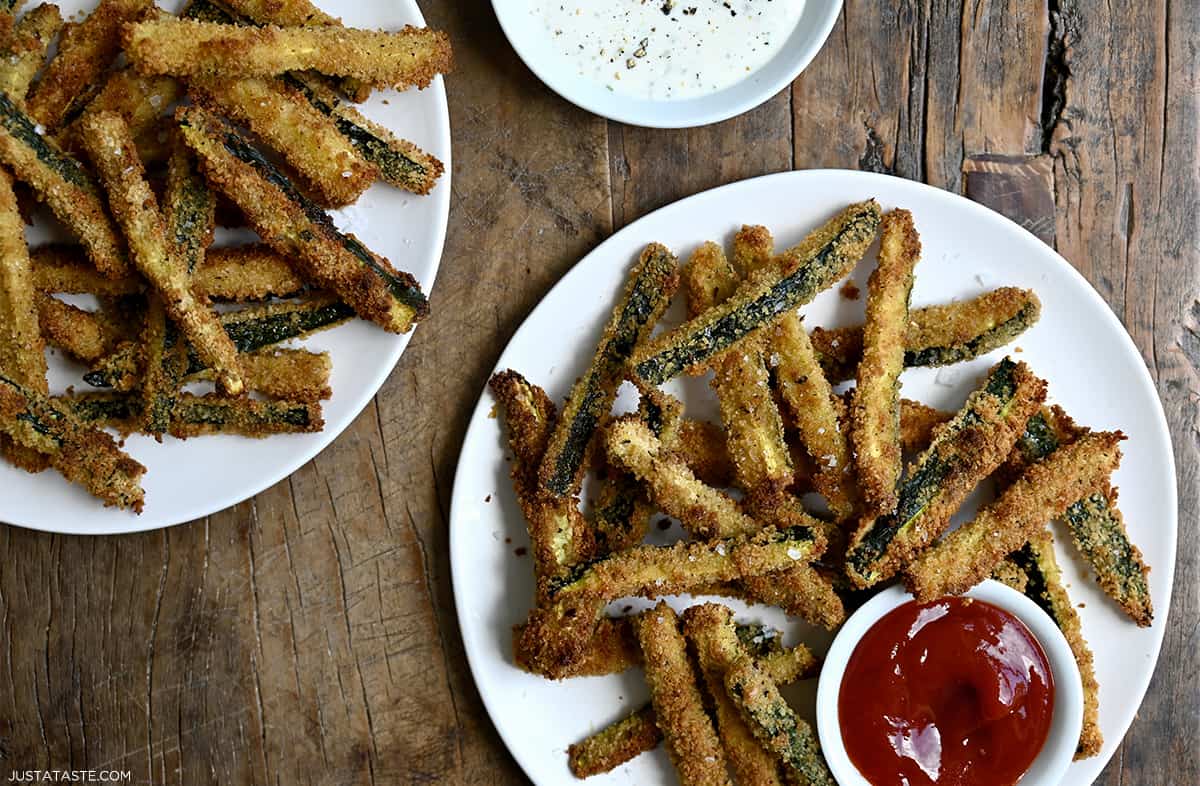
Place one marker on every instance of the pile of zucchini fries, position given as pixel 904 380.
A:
pixel 141 134
pixel 786 432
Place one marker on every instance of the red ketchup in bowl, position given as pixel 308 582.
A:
pixel 956 692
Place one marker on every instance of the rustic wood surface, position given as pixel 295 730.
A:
pixel 309 636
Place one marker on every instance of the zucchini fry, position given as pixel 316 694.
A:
pixel 164 361
pixel 307 138
pixel 709 629
pixel 83 454
pixel 286 374
pixel 938 335
pixel 775 724
pixel 753 426
pixel 400 162
pixel 647 293
pixel 759 302
pixel 875 412
pixel 802 591
pixel 806 393
pixel 299 230
pixel 189 207
pixel 84 52
pixel 1033 570
pixel 141 100
pixel 556 633
pixel 107 139
pixel 701 444
pixel 26 51
pixel 21 346
pixel 1096 524
pixel 969 554
pixel 964 452
pixel 213 414
pixel 918 424
pixel 679 712
pixel 61 182
pixel 704 511
pixel 185 47
pixel 84 335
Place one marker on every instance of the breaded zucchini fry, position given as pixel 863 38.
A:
pixel 299 230
pixel 246 273
pixel 648 291
pixel 61 182
pixel 107 139
pixel 938 335
pixel 26 50
pixel 64 268
pixel 968 554
pixel 21 346
pixel 775 724
pixel 84 52
pixel 83 454
pixel 759 302
pixel 679 712
pixel 410 57
pixel 806 393
pixel 704 511
pixel 189 207
pixel 213 414
pixel 286 374
pixel 918 423
pixel 701 444
pixel 875 412
pixel 400 162
pixel 615 744
pixel 308 139
pixel 141 100
pixel 802 591
pixel 965 451
pixel 163 363
pixel 709 629
pixel 1035 568
pixel 84 335
pixel 753 426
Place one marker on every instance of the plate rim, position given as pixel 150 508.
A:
pixel 147 522
pixel 479 416
pixel 637 112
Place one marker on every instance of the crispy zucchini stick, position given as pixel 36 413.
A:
pixel 84 335
pixel 213 414
pixel 21 346
pixel 285 374
pixel 410 57
pixel 965 451
pixel 709 628
pixel 1033 570
pixel 702 445
pixel 61 182
pixel 107 139
pixel 84 52
pixel 753 426
pixel 556 633
pixel 801 591
pixel 164 361
pixel 759 302
pixel 558 533
pixel 806 393
pixel 918 423
pixel 83 454
pixel 647 293
pixel 938 335
pixel 299 230
pixel 141 100
pixel 679 712
pixel 26 51
pixel 875 412
pixel 1096 524
pixel 189 207
pixel 308 139
pixel 969 554
pixel 400 162
pixel 704 511
pixel 775 724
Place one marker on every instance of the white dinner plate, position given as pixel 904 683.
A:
pixel 1092 366
pixel 186 480
pixel 527 31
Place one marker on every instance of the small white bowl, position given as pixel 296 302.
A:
pixel 1065 724
pixel 534 47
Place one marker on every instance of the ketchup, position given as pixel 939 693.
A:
pixel 956 692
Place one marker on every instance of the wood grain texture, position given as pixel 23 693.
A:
pixel 309 636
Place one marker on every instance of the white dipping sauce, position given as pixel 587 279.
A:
pixel 663 50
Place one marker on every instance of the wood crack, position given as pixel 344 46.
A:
pixel 1057 72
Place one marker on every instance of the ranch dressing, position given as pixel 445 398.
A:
pixel 666 49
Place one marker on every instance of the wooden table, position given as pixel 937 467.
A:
pixel 309 635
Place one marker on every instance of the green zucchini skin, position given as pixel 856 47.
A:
pixel 194 415
pixel 697 341
pixel 950 455
pixel 651 284
pixel 190 208
pixel 24 129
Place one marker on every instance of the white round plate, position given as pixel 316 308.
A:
pixel 186 480
pixel 528 35
pixel 1092 366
